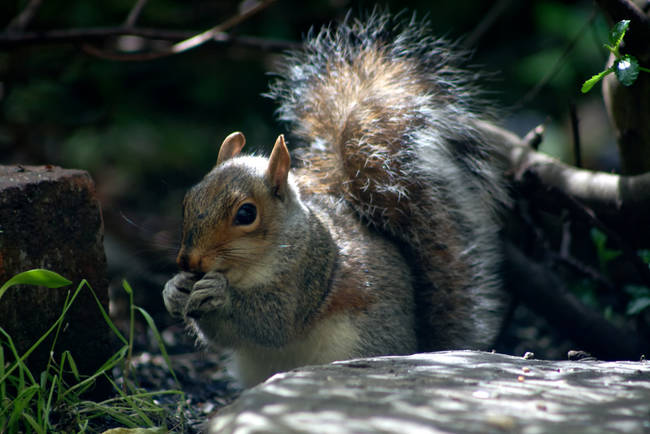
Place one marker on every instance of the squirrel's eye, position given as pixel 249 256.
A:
pixel 246 214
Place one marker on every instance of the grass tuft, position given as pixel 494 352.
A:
pixel 52 400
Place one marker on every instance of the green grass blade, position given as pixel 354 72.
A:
pixel 34 424
pixel 3 385
pixel 38 277
pixel 103 370
pixel 50 394
pixel 71 364
pixel 151 323
pixel 21 402
pixel 66 305
pixel 107 318
pixel 18 363
pixel 127 362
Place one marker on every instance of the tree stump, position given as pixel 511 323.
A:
pixel 50 218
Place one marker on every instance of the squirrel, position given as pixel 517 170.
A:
pixel 382 240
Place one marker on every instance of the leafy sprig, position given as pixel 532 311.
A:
pixel 626 67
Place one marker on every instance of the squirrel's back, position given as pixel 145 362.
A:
pixel 387 116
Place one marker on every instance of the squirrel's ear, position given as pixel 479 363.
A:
pixel 231 147
pixel 279 165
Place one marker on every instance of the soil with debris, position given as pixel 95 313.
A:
pixel 201 375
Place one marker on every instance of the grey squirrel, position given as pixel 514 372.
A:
pixel 384 240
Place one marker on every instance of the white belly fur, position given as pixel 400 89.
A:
pixel 332 339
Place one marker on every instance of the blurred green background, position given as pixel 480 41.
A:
pixel 148 130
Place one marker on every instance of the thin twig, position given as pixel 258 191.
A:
pixel 576 207
pixel 100 34
pixel 220 28
pixel 565 240
pixel 535 136
pixel 20 21
pixel 558 64
pixel 75 36
pixel 135 13
pixel 546 294
pixel 486 23
pixel 187 44
pixel 575 130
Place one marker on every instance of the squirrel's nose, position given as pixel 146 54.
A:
pixel 191 262
pixel 183 261
pixel 188 261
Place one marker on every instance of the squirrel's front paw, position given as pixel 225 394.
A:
pixel 208 294
pixel 176 293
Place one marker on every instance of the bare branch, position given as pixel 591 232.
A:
pixel 220 28
pixel 535 136
pixel 486 23
pixel 622 202
pixel 559 63
pixel 189 43
pixel 181 40
pixel 23 19
pixel 93 34
pixel 546 294
pixel 98 35
pixel 575 130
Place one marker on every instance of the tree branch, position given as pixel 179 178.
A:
pixel 491 17
pixel 546 294
pixel 189 43
pixel 93 34
pixel 101 34
pixel 621 202
pixel 182 40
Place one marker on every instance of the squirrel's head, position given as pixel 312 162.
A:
pixel 232 218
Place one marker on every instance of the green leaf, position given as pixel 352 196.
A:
pixel 640 298
pixel 599 238
pixel 605 255
pixel 636 291
pixel 39 277
pixel 587 85
pixel 617 33
pixel 645 256
pixel 626 69
pixel 638 305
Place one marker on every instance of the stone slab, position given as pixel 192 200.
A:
pixel 453 391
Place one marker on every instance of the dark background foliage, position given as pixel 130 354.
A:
pixel 148 130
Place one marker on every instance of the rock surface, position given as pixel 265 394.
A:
pixel 50 218
pixel 453 391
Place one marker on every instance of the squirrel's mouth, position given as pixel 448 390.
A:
pixel 197 275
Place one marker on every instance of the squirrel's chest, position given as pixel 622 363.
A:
pixel 334 338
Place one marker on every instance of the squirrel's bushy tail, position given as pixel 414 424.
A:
pixel 388 118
